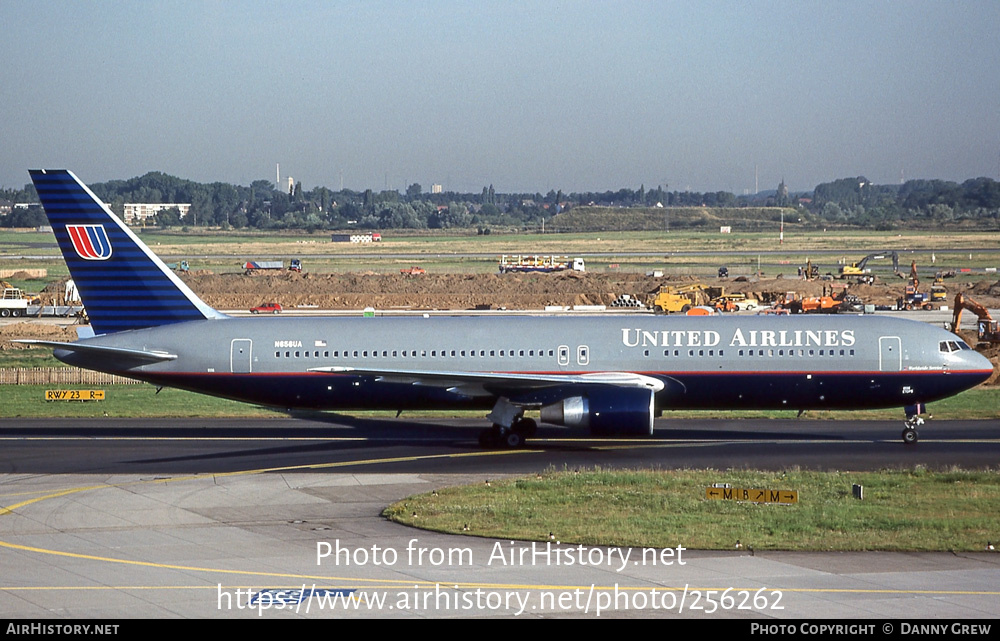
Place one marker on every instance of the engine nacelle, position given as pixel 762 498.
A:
pixel 607 411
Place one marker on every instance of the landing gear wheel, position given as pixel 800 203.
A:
pixel 910 435
pixel 526 427
pixel 513 440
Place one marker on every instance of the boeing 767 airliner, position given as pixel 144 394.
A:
pixel 610 374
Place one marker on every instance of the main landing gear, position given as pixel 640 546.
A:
pixel 511 437
pixel 913 421
pixel 510 427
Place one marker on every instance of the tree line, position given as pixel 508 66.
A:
pixel 261 205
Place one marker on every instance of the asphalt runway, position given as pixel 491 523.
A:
pixel 232 518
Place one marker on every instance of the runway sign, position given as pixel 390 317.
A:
pixel 785 497
pixel 74 395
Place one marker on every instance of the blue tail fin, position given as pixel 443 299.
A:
pixel 122 283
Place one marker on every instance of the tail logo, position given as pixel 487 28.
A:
pixel 90 241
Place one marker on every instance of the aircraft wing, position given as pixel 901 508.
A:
pixel 497 383
pixel 100 350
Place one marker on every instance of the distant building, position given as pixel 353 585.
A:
pixel 436 189
pixel 138 212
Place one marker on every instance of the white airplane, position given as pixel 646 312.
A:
pixel 611 374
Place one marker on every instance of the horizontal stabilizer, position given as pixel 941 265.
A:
pixel 121 352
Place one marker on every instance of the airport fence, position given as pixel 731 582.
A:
pixel 50 375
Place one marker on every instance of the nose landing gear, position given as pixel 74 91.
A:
pixel 913 421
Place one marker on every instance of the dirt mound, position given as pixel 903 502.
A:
pixel 41 331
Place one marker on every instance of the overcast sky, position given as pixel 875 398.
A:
pixel 527 96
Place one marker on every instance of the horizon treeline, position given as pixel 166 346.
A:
pixel 847 201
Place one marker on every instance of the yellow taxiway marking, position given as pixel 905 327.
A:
pixel 348 582
pixel 61 493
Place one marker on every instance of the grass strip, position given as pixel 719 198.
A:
pixel 909 510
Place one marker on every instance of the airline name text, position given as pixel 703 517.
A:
pixel 740 338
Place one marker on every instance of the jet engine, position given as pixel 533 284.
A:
pixel 607 411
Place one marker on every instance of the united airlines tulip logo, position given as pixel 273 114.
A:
pixel 90 241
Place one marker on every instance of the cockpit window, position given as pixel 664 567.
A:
pixel 952 346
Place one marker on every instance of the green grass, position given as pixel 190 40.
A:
pixel 122 401
pixel 854 245
pixel 902 510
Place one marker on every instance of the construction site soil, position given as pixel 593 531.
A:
pixel 238 291
pixel 511 291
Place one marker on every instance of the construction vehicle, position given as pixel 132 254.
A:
pixel 914 299
pixel 252 266
pixel 14 302
pixel 734 303
pixel 413 271
pixel 862 273
pixel 671 299
pixel 825 304
pixel 938 292
pixel 987 329
pixel 811 271
pixel 182 266
pixel 543 264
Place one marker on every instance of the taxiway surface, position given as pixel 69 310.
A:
pixel 229 518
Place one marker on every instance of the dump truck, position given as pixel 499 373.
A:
pixel 251 266
pixel 182 266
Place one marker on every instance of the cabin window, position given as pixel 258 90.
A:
pixel 277 354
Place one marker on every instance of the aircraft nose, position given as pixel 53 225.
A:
pixel 976 361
